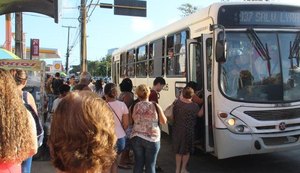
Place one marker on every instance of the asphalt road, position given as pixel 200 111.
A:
pixel 282 162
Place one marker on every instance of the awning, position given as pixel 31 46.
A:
pixel 31 65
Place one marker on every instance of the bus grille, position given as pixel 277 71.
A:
pixel 272 141
pixel 269 115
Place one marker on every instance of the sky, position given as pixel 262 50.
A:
pixel 104 29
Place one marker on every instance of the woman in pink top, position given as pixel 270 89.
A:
pixel 145 135
pixel 120 111
pixel 17 133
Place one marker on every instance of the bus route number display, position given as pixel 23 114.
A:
pixel 269 18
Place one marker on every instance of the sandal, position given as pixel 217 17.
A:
pixel 124 166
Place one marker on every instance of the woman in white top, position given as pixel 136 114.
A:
pixel 120 111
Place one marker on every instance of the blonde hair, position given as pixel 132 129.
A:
pixel 16 139
pixel 82 137
pixel 142 91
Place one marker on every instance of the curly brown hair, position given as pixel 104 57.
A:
pixel 20 76
pixel 16 140
pixel 82 137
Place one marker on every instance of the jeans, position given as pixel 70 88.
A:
pixel 51 98
pixel 120 145
pixel 145 154
pixel 26 165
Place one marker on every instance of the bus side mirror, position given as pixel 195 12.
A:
pixel 221 51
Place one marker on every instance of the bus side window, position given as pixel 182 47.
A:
pixel 151 57
pixel 141 65
pixel 209 62
pixel 123 65
pixel 176 54
pixel 131 63
pixel 156 58
pixel 170 55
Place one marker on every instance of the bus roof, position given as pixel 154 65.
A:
pixel 210 11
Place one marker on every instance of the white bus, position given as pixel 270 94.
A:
pixel 245 57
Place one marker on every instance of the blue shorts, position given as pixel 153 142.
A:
pixel 120 145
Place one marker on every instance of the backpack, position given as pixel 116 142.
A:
pixel 38 123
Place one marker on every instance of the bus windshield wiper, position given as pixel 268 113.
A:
pixel 259 47
pixel 294 50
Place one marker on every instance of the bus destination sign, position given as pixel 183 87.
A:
pixel 269 18
pixel 259 15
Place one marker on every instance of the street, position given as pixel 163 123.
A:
pixel 281 162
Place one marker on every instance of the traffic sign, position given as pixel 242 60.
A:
pixel 130 8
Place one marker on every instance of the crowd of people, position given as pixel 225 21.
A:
pixel 94 128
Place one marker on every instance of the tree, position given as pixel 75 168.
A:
pixel 75 69
pixel 108 61
pixel 187 9
pixel 96 68
pixel 92 67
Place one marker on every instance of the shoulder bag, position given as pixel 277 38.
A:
pixel 169 111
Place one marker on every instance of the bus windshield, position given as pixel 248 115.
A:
pixel 261 66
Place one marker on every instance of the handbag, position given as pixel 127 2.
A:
pixel 169 111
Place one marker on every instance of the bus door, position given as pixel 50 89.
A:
pixel 199 65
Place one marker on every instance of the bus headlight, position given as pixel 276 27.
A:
pixel 234 124
pixel 231 121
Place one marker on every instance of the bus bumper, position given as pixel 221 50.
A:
pixel 229 144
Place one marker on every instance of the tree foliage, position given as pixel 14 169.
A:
pixel 96 68
pixel 187 9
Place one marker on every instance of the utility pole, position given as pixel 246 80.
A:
pixel 83 51
pixel 19 35
pixel 8 32
pixel 68 48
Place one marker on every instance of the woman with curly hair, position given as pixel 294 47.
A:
pixel 82 138
pixel 17 128
pixel 21 81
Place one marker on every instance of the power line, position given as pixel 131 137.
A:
pixel 89 16
pixel 89 6
pixel 75 41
